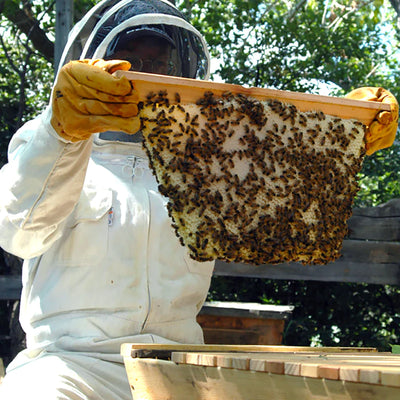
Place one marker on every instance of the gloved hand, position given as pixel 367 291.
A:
pixel 382 130
pixel 87 99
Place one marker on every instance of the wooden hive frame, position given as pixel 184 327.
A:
pixel 191 90
pixel 253 175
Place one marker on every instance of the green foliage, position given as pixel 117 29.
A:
pixel 395 349
pixel 296 45
pixel 25 76
pixel 325 313
pixel 380 178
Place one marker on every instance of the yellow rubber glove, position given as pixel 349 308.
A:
pixel 382 130
pixel 87 99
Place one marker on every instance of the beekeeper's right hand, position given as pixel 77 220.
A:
pixel 381 133
pixel 87 99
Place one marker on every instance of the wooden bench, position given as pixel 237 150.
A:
pixel 370 254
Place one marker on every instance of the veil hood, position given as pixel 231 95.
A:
pixel 100 27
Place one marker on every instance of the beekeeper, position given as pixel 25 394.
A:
pixel 102 263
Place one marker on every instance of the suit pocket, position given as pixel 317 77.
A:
pixel 85 241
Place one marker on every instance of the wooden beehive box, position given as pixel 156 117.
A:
pixel 204 372
pixel 225 322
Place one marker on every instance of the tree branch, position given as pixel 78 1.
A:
pixel 293 11
pixel 27 24
pixel 396 6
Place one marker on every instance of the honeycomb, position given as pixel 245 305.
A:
pixel 253 181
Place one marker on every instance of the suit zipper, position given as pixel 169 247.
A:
pixel 147 263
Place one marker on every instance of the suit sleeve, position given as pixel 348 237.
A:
pixel 40 186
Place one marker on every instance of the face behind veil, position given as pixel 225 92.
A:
pixel 110 22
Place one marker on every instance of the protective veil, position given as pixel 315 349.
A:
pixel 102 263
pixel 99 30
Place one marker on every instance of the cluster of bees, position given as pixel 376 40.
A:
pixel 253 181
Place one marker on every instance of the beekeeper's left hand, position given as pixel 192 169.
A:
pixel 381 132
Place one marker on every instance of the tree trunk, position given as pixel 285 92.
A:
pixel 396 5
pixel 25 22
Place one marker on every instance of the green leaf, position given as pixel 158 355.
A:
pixel 395 348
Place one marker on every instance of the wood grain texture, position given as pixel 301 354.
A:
pixel 326 371
pixel 164 380
pixel 237 330
pixel 338 271
pixel 292 368
pixel 367 367
pixel 127 349
pixel 190 90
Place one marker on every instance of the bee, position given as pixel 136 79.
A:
pixel 193 249
pixel 202 210
pixel 227 94
pixel 302 120
pixel 150 96
pixel 194 120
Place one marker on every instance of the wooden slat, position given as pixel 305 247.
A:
pixel 339 271
pixel 352 367
pixel 376 270
pixel 323 356
pixel 209 360
pixel 384 219
pixel 388 209
pixel 329 372
pixel 363 227
pixel 390 378
pixel 191 90
pixel 361 262
pixel 147 349
pixel 367 252
pixel 292 368
pixel 372 259
pixel 371 251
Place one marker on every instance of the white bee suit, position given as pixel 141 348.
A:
pixel 102 267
